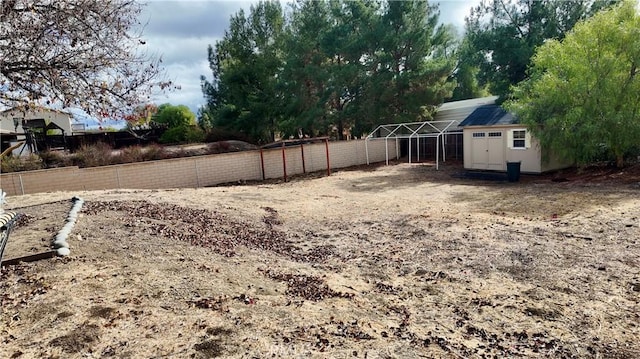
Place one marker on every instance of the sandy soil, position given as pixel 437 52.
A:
pixel 379 262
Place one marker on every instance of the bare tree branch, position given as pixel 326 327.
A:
pixel 80 53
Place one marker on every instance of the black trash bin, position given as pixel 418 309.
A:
pixel 513 171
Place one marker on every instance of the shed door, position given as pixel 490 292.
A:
pixel 487 150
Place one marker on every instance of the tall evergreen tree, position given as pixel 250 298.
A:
pixel 466 73
pixel 346 44
pixel 409 72
pixel 336 65
pixel 243 94
pixel 305 74
pixel 503 35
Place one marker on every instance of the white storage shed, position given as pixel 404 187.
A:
pixel 492 137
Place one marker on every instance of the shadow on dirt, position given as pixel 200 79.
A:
pixel 77 340
pixel 482 176
pixel 551 196
pixel 407 175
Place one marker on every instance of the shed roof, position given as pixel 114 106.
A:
pixel 488 115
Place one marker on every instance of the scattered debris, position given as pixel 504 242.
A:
pixel 308 287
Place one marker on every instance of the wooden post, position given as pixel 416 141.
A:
pixel 284 162
pixel 326 144
pixel 262 163
pixel 304 168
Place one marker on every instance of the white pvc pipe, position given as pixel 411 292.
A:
pixel 60 240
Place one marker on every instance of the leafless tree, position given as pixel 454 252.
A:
pixel 76 53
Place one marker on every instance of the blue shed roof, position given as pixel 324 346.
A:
pixel 488 115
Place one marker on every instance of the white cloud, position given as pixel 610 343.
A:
pixel 187 76
pixel 183 50
pixel 455 11
pixel 180 32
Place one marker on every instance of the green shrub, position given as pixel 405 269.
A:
pixel 173 135
pixel 194 134
pixel 183 134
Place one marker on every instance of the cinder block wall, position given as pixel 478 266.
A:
pixel 198 171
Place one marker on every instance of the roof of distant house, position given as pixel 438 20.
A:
pixel 35 107
pixel 473 102
pixel 488 115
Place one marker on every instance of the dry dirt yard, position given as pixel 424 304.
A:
pixel 378 262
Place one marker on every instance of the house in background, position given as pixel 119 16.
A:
pixel 36 126
pixel 492 137
pixel 13 119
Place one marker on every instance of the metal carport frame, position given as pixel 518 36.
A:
pixel 417 130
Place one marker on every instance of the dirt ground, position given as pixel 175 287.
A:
pixel 396 261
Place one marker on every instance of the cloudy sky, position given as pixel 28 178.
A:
pixel 180 32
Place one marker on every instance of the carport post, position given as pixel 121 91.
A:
pixel 416 132
pixel 410 148
pixel 444 148
pixel 437 152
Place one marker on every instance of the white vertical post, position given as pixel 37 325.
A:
pixel 409 148
pixel 386 150
pixel 437 153
pixel 444 148
pixel 366 148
